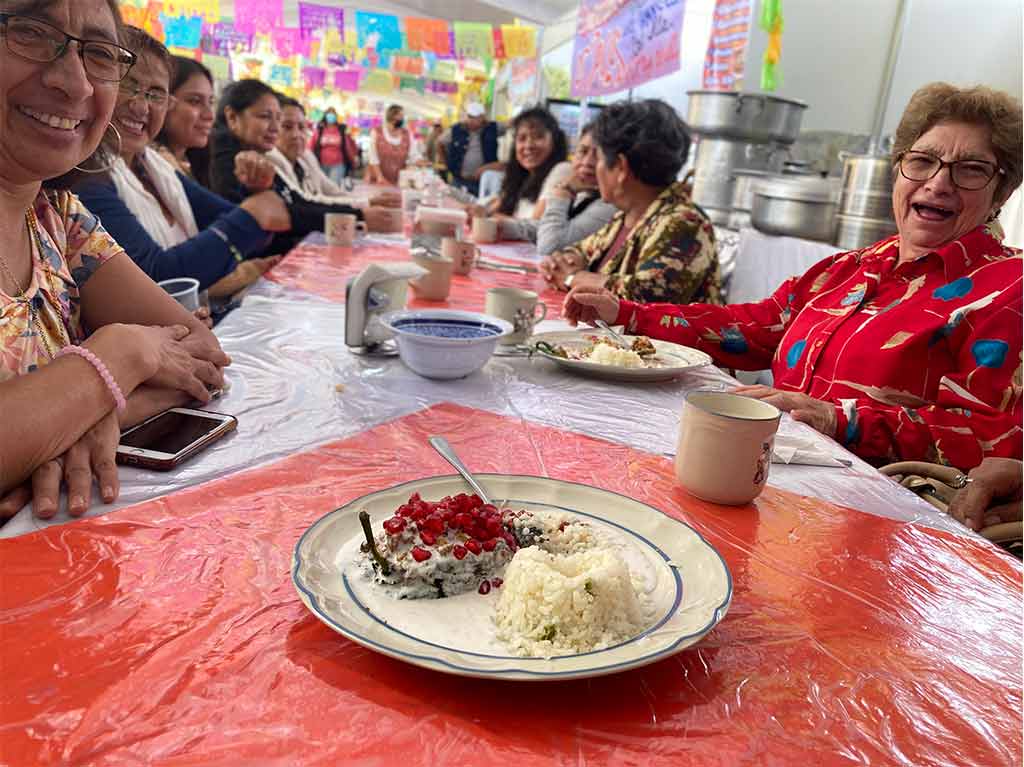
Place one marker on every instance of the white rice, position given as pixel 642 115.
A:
pixel 554 604
pixel 603 354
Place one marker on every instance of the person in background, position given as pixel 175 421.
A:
pixel 294 162
pixel 430 149
pixel 333 147
pixel 659 246
pixel 471 147
pixel 185 138
pixel 392 148
pixel 168 224
pixel 573 209
pixel 88 343
pixel 908 349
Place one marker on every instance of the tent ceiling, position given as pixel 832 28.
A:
pixel 539 12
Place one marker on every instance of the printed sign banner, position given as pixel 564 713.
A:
pixel 472 40
pixel 637 42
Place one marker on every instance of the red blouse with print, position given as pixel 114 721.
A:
pixel 922 360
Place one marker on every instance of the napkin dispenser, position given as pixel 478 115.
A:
pixel 441 222
pixel 379 288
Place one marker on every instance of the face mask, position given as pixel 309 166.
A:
pixel 331 119
pixel 399 123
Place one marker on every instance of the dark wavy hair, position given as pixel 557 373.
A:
pixel 198 157
pixel 519 183
pixel 107 151
pixel 649 134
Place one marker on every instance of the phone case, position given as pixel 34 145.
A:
pixel 166 464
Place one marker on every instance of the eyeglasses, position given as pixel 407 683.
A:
pixel 971 175
pixel 39 41
pixel 130 91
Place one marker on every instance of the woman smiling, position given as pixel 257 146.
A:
pixel 65 393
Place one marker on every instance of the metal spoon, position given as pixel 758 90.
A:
pixel 440 444
pixel 615 336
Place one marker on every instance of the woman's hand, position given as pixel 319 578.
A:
pixel 589 281
pixel 559 265
pixel 245 274
pixel 93 455
pixel 585 304
pixel 269 210
pixel 254 171
pixel 203 315
pixel 992 496
pixel 816 413
pixel 182 359
pixel 388 199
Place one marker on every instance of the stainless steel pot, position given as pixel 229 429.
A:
pixel 717 160
pixel 744 116
pixel 795 207
pixel 866 186
pixel 743 188
pixel 854 232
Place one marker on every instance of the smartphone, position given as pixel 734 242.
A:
pixel 172 437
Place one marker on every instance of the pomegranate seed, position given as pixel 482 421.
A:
pixel 474 546
pixel 496 582
pixel 489 545
pixel 414 498
pixel 459 552
pixel 405 510
pixel 493 526
pixel 394 526
pixel 435 524
pixel 428 537
pixel 485 587
pixel 476 501
pixel 420 555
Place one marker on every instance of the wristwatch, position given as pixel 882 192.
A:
pixel 568 281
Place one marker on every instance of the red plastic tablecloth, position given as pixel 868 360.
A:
pixel 323 270
pixel 170 634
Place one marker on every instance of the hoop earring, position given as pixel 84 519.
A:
pixel 101 151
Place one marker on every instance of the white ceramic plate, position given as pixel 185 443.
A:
pixel 673 359
pixel 686 582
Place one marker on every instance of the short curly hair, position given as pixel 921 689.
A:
pixel 649 134
pixel 999 112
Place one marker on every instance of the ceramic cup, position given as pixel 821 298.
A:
pixel 391 220
pixel 725 446
pixel 462 253
pixel 340 228
pixel 438 228
pixel 485 230
pixel 437 282
pixel 184 290
pixel 518 307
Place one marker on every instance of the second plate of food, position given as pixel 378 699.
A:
pixel 581 352
pixel 560 581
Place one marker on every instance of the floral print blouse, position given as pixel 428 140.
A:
pixel 921 360
pixel 74 246
pixel 669 256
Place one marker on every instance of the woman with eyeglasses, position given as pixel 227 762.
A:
pixel 88 343
pixel 185 138
pixel 909 349
pixel 168 224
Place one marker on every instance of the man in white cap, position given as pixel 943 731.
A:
pixel 471 147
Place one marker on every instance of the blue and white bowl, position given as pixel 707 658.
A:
pixel 445 343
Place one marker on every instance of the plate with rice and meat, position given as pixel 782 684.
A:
pixel 558 580
pixel 589 353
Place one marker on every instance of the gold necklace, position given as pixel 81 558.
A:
pixel 32 224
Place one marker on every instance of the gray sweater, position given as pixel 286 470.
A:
pixel 555 230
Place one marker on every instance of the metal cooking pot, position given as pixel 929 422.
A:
pixel 717 160
pixel 795 207
pixel 866 186
pixel 854 232
pixel 745 116
pixel 743 188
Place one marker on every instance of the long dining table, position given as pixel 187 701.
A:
pixel 865 627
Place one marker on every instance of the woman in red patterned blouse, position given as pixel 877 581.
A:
pixel 909 349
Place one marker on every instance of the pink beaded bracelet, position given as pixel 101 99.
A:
pixel 97 363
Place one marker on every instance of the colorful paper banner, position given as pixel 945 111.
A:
pixel 473 40
pixel 314 77
pixel 145 17
pixel 182 31
pixel 314 18
pixel 288 42
pixel 636 44
pixel 224 39
pixel 407 82
pixel 520 42
pixel 258 15
pixel 724 62
pixel 208 10
pixel 445 71
pixel 379 81
pixel 219 66
pixel 347 80
pixel 379 31
pixel 428 35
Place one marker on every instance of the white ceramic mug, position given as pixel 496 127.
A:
pixel 725 446
pixel 462 253
pixel 518 307
pixel 485 230
pixel 391 220
pixel 437 282
pixel 340 229
pixel 184 290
